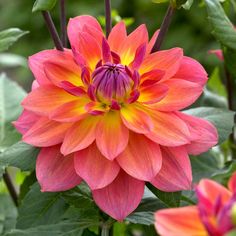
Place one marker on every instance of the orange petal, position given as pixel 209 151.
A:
pixel 153 93
pixel 46 133
pixel 57 74
pixel 111 135
pixel 94 168
pixel 142 158
pixel 80 135
pixel 184 221
pixel 71 111
pixel 136 118
pixel 152 41
pixel 232 183
pixel 131 44
pixel 169 129
pixel 166 60
pixel 46 99
pixel 176 172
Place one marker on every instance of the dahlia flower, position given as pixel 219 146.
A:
pixel 213 216
pixel 107 112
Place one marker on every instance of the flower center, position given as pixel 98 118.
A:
pixel 112 81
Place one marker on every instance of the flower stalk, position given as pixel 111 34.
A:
pixel 63 22
pixel 108 16
pixel 52 29
pixel 164 28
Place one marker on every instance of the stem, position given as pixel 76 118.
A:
pixel 10 188
pixel 108 16
pixel 52 30
pixel 164 28
pixel 105 231
pixel 229 87
pixel 63 23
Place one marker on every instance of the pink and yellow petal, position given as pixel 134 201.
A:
pixel 111 135
pixel 136 118
pixel 184 221
pixel 176 172
pixel 125 192
pixel 45 133
pixel 80 135
pixel 94 168
pixel 54 171
pixel 142 158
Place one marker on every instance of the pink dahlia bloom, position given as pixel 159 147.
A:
pixel 213 216
pixel 107 112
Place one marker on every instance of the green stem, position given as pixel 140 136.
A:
pixel 105 230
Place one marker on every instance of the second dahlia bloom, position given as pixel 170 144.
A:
pixel 213 216
pixel 107 112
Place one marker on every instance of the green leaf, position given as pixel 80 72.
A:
pixel 160 1
pixel 169 199
pixel 20 155
pixel 39 208
pixel 43 5
pixel 12 60
pixel 188 5
pixel 223 29
pixel 222 119
pixel 10 36
pixel 10 109
pixel 8 214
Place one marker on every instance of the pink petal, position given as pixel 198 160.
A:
pixel 25 121
pixel 46 133
pixel 152 41
pixel 176 172
pixel 191 70
pixel 80 135
pixel 121 197
pixel 136 118
pixel 181 94
pixel 46 99
pixel 165 60
pixel 218 53
pixel 204 134
pixel 169 129
pixel 77 25
pixel 232 183
pixel 94 168
pixel 54 171
pixel 142 158
pixel 111 135
pixel 36 62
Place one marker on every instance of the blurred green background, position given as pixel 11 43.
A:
pixel 189 29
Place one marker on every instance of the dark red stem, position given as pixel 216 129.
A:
pixel 108 17
pixel 63 22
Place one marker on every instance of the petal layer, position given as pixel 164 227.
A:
pixel 94 168
pixel 176 172
pixel 121 197
pixel 142 158
pixel 54 171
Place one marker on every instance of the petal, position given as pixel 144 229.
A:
pixel 117 36
pixel 142 158
pixel 176 172
pixel 166 60
pixel 25 121
pixel 57 74
pixel 71 111
pixel 111 135
pixel 169 129
pixel 232 183
pixel 153 93
pixel 77 24
pixel 218 53
pixel 54 171
pixel 80 135
pixel 46 99
pixel 184 221
pixel 131 44
pixel 46 133
pixel 181 94
pixel 152 41
pixel 151 77
pixel 36 62
pixel 204 134
pixel 94 168
pixel 191 70
pixel 211 190
pixel 136 118
pixel 121 197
